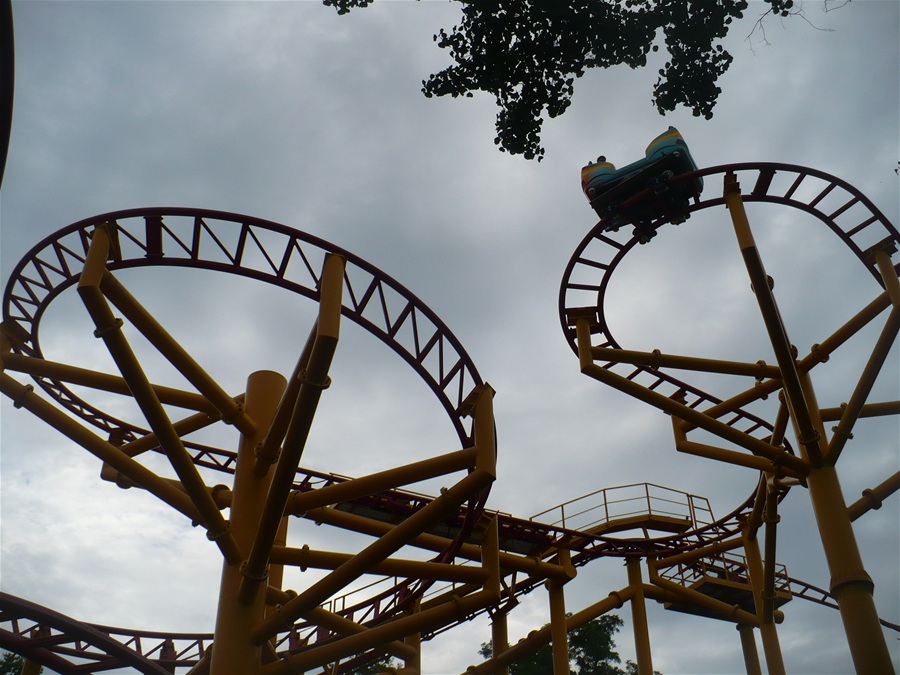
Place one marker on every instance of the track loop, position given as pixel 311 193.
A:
pixel 837 204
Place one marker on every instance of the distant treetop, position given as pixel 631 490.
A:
pixel 528 54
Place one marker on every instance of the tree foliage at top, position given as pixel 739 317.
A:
pixel 528 54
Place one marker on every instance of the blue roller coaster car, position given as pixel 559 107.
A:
pixel 645 191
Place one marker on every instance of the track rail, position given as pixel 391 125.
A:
pixel 249 247
pixel 847 212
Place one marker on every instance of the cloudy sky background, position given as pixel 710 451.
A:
pixel 286 111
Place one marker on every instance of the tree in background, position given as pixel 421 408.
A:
pixel 376 667
pixel 592 651
pixel 528 54
pixel 12 664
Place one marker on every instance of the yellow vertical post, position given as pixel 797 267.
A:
pixel 639 617
pixel 500 638
pixel 558 631
pixel 30 667
pixel 414 664
pixel 748 646
pixel 767 630
pixel 233 652
pixel 558 634
pixel 851 586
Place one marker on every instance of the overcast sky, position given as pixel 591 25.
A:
pixel 288 112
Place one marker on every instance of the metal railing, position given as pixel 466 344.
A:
pixel 604 507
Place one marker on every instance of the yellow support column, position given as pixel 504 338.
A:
pixel 558 629
pixel 559 635
pixel 500 638
pixel 767 630
pixel 748 646
pixel 639 618
pixel 234 653
pixel 851 585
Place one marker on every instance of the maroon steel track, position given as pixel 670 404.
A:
pixel 248 247
pixel 845 210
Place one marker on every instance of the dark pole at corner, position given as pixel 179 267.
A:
pixel 7 76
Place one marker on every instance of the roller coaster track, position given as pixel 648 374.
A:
pixel 247 247
pixel 841 207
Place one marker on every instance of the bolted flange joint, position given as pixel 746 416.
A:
pixel 262 576
pixel 114 326
pixel 215 536
pixel 302 377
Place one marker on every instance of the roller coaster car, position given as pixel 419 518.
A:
pixel 645 191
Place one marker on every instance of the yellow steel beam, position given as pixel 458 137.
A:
pixel 760 390
pixel 102 381
pixel 697 418
pixel 24 397
pixel 231 411
pixel 559 638
pixel 781 345
pixel 442 506
pixel 822 351
pixel 344 626
pixel 656 360
pixel 880 409
pixel 509 562
pixel 771 519
pixel 710 550
pixel 268 452
pixel 873 497
pixel 639 618
pixel 500 638
pixel 484 432
pixel 888 273
pixel 766 625
pixel 276 571
pixel 782 418
pixel 301 502
pixel 327 560
pixel 883 348
pixel 183 427
pixel 748 647
pixel 109 330
pixel 755 519
pixel 733 457
pixel 678 409
pixel 234 653
pixel 851 586
pixel 382 634
pixel 454 610
pixel 314 379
